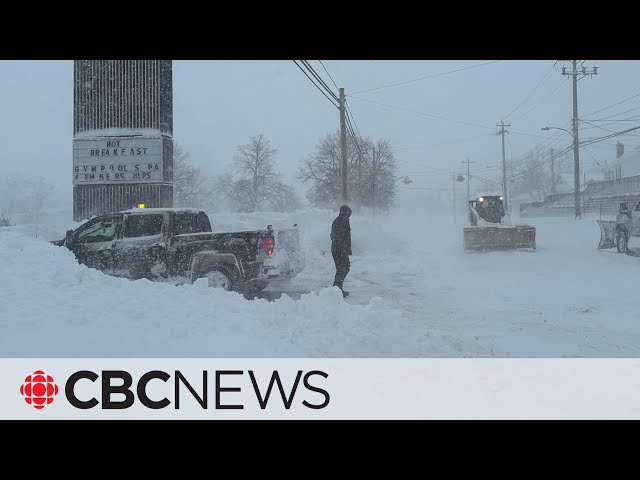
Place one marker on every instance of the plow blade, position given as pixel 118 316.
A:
pixel 607 233
pixel 499 238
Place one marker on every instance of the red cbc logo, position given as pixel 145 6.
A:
pixel 39 389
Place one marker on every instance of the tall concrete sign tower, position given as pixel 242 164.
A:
pixel 122 135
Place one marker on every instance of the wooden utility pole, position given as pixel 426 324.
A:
pixel 576 144
pixel 373 180
pixel 343 145
pixel 553 174
pixel 453 178
pixel 467 161
pixel 504 165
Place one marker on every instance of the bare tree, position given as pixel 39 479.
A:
pixel 380 177
pixel 284 198
pixel 189 187
pixel 371 182
pixel 322 170
pixel 254 163
pixel 531 174
pixel 257 186
pixel 238 193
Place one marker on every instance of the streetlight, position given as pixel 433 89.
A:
pixel 576 164
pixel 557 128
pixel 406 180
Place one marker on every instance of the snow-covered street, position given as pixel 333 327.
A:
pixel 414 293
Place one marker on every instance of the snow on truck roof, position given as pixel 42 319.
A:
pixel 161 210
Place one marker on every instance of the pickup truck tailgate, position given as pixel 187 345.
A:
pixel 287 260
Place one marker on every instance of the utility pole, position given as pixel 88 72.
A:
pixel 576 146
pixel 468 178
pixel 373 180
pixel 553 174
pixel 453 178
pixel 504 164
pixel 360 175
pixel 343 145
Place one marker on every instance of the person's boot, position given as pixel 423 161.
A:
pixel 345 294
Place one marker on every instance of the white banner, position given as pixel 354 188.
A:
pixel 117 160
pixel 324 388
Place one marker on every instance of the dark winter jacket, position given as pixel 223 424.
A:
pixel 341 236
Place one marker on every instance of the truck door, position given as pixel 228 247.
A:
pixel 141 247
pixel 94 242
pixel 185 223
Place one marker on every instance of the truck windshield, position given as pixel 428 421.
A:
pixel 489 203
pixel 142 225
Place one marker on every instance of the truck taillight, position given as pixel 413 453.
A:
pixel 266 245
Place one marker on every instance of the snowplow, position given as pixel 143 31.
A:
pixel 491 229
pixel 617 233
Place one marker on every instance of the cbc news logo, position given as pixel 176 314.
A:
pixel 39 389
pixel 217 389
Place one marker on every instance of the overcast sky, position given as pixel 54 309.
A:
pixel 220 104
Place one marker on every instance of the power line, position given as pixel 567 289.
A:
pixel 427 188
pixel 446 142
pixel 425 78
pixel 314 83
pixel 542 100
pixel 425 114
pixel 531 135
pixel 611 122
pixel 349 113
pixel 544 79
pixel 449 119
pixel 319 78
pixel 538 165
pixel 353 119
pixel 488 182
pixel 598 126
pixel 353 137
pixel 606 137
pixel 618 114
pixel 548 143
pixel 614 105
pixel 448 172
pixel 325 69
pixel 582 144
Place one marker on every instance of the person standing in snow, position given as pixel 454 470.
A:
pixel 341 246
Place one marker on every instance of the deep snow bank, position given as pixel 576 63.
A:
pixel 50 306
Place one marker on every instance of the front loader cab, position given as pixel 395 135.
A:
pixel 490 208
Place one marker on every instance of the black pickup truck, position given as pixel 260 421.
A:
pixel 168 243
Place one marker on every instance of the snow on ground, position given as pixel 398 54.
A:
pixel 414 293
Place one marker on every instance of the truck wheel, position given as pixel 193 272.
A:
pixel 220 279
pixel 621 242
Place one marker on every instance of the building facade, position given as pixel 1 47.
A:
pixel 122 135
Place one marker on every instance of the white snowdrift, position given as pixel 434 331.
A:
pixel 50 306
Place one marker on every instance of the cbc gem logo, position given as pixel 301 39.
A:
pixel 39 389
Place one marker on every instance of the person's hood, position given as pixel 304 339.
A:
pixel 345 210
